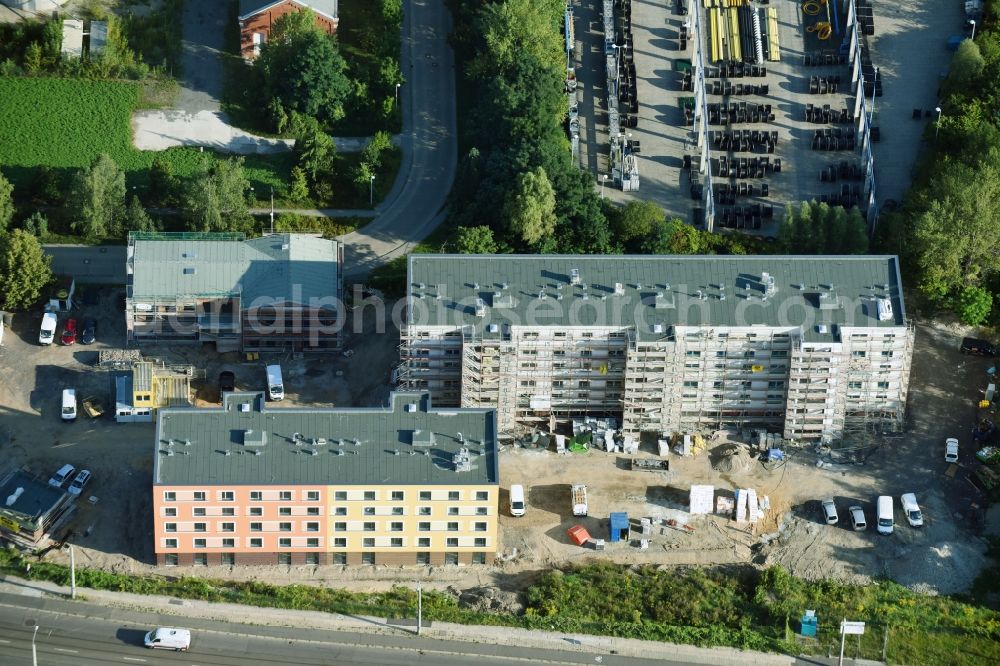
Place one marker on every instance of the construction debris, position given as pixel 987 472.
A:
pixel 733 459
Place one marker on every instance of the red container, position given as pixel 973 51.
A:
pixel 578 535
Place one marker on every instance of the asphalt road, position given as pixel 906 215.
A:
pixel 85 634
pixel 414 206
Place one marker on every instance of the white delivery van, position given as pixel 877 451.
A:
pixel 885 514
pixel 166 638
pixel 517 506
pixel 69 405
pixel 47 333
pixel 275 388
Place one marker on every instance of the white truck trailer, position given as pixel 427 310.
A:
pixel 579 493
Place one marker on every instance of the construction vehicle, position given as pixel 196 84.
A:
pixel 579 494
pixel 93 407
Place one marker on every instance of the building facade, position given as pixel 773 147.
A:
pixel 280 292
pixel 811 347
pixel 405 485
pixel 257 17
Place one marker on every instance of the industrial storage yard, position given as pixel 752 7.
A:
pixel 944 556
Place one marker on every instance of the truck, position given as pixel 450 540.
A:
pixel 93 407
pixel 579 495
pixel 649 465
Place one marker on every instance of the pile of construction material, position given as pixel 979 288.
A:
pixel 733 459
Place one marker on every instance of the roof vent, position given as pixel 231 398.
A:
pixel 395 452
pixel 822 329
pixel 638 285
pixel 244 406
pixel 475 285
pixel 462 460
pixel 493 328
pixel 883 307
pixel 422 438
pixel 411 407
pixel 619 289
pixel 227 452
pixel 586 296
pixel 313 452
pixel 170 452
pixel 574 276
pixel 256 453
pixel 657 328
pixel 284 246
pixel 189 255
pixel 502 300
pixel 421 285
pixel 338 452
pixel 770 287
pixel 664 301
pixel 504 285
pixel 480 307
pixel 190 270
pixel 542 295
pixel 257 438
pixel 13 496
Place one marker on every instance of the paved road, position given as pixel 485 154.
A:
pixel 415 205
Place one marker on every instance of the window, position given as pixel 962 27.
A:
pixel 369 511
pixel 284 558
pixel 170 527
pixel 854 385
pixel 226 496
pixel 170 559
pixel 480 542
pixel 397 496
pixel 480 527
pixel 201 560
pixel 198 511
pixel 285 495
pixel 395 527
pixel 199 543
pixel 228 527
pixel 479 558
pixel 369 527
pixel 454 495
pixel 256 543
pixel 340 495
pixel 423 558
pixel 369 495
pixel 423 542
pixel 170 511
pixel 340 527
pixel 482 495
pixel 312 495
pixel 367 558
pixel 255 511
pixel 312 511
pixel 170 496
pixel 396 542
pixel 452 510
pixel 425 496
pixel 170 543
pixel 858 354
pixel 284 542
pixel 368 542
pixel 340 511
pixel 887 354
pixel 199 496
pixel 482 511
pixel 451 542
pixel 883 385
pixel 285 527
pixel 229 543
pixel 285 511
pixel 424 511
pixel 312 558
pixel 199 527
pixel 312 527
pixel 424 527
pixel 228 511
pixel 340 542
pixel 340 558
pixel 256 527
pixel 397 511
pixel 312 542
pixel 452 527
pixel 229 558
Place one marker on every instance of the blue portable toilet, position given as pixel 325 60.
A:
pixel 618 527
pixel 808 624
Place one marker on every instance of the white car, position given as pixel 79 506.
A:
pixel 951 450
pixel 62 476
pixel 858 518
pixel 912 511
pixel 830 512
pixel 79 482
pixel 47 332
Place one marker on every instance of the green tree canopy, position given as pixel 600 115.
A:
pixel 315 148
pixel 475 240
pixel 217 200
pixel 136 217
pixel 635 222
pixel 675 237
pixel 99 198
pixel 25 270
pixel 6 203
pixel 974 305
pixel 530 209
pixel 513 29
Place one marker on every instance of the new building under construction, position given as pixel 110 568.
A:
pixel 813 347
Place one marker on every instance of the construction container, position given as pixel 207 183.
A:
pixel 578 534
pixel 618 527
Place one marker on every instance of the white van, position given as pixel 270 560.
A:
pixel 166 638
pixel 885 514
pixel 47 333
pixel 275 388
pixel 517 506
pixel 69 405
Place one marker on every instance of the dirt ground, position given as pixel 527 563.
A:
pixel 944 556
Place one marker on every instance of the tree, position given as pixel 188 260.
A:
pixel 163 184
pixel 6 203
pixel 298 186
pixel 216 201
pixel 514 29
pixel 302 68
pixel 25 270
pixel 530 209
pixel 315 148
pixel 37 225
pixel 99 196
pixel 974 305
pixel 966 67
pixel 475 240
pixel 636 220
pixel 855 233
pixel 675 237
pixel 136 217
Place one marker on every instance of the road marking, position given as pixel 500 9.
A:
pixel 133 659
pixel 4 641
pixel 66 650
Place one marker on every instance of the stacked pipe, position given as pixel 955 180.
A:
pixel 758 45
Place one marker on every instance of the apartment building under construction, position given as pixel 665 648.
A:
pixel 812 347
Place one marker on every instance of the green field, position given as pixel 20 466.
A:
pixel 65 123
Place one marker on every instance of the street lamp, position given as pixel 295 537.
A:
pixel 937 121
pixel 371 190
pixel 604 179
pixel 34 654
pixel 972 22
pixel 396 103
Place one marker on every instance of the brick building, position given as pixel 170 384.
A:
pixel 406 484
pixel 257 16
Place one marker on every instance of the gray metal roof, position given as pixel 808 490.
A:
pixel 386 454
pixel 250 7
pixel 280 267
pixel 35 500
pixel 653 293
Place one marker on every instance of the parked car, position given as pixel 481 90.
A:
pixel 951 450
pixel 884 514
pixel 166 638
pixel 978 347
pixel 79 482
pixel 912 511
pixel 227 381
pixel 63 475
pixel 988 455
pixel 89 333
pixel 47 332
pixel 69 332
pixel 69 404
pixel 858 518
pixel 830 512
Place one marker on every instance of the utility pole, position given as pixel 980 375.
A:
pixel 272 209
pixel 420 608
pixel 72 573
pixel 34 654
pixel 371 191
